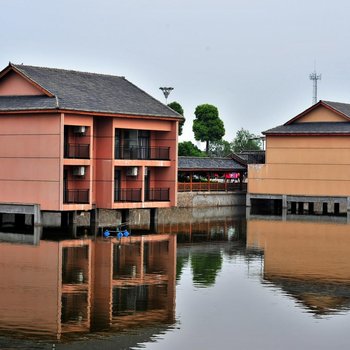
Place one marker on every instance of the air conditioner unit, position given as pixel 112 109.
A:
pixel 132 171
pixel 78 171
pixel 79 130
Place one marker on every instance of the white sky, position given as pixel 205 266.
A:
pixel 251 59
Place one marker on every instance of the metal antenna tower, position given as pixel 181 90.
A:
pixel 314 77
pixel 166 92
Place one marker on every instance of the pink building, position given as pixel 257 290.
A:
pixel 74 141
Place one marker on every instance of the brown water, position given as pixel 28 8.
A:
pixel 207 279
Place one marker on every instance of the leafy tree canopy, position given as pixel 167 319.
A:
pixel 187 148
pixel 220 148
pixel 245 141
pixel 207 126
pixel 178 108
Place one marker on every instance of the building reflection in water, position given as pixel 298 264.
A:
pixel 308 260
pixel 63 289
pixel 195 225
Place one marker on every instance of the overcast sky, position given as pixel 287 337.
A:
pixel 251 59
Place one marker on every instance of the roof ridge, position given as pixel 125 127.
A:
pixel 67 70
pixel 170 109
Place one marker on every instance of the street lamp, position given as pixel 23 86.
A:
pixel 166 92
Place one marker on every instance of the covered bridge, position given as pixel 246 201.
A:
pixel 211 174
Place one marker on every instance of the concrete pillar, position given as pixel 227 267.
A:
pixel 153 226
pixel 324 208
pixel 284 214
pixel 284 202
pixel 311 208
pixel 37 224
pixel 248 201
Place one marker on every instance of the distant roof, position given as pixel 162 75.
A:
pixel 81 91
pixel 252 157
pixel 316 128
pixel 343 108
pixel 209 164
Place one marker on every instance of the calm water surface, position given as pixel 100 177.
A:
pixel 208 279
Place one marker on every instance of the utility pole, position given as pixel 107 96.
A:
pixel 314 77
pixel 166 92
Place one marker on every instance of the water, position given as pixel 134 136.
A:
pixel 207 279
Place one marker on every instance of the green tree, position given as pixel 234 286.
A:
pixel 245 141
pixel 220 148
pixel 178 108
pixel 187 148
pixel 205 267
pixel 207 126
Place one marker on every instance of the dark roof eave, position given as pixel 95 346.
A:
pixel 307 134
pixel 106 113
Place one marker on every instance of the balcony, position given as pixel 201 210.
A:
pixel 76 197
pixel 147 153
pixel 157 195
pixel 77 151
pixel 127 195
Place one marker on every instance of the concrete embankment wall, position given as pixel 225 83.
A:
pixel 110 217
pixel 210 199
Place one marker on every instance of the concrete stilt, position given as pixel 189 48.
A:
pixel 284 202
pixel 248 201
pixel 284 214
pixel 37 223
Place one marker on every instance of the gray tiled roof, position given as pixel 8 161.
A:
pixel 86 92
pixel 326 128
pixel 206 163
pixel 15 103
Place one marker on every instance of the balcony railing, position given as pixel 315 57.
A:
pixel 127 195
pixel 210 186
pixel 76 197
pixel 157 194
pixel 149 153
pixel 77 150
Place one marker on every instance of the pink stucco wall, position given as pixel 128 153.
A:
pixel 14 85
pixel 30 159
